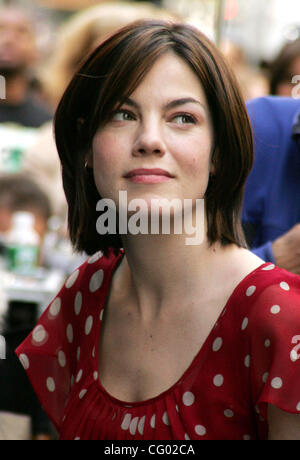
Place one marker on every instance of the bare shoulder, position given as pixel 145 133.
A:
pixel 245 261
pixel 239 262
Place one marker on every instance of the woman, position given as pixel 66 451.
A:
pixel 154 338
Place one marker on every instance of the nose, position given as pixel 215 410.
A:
pixel 149 140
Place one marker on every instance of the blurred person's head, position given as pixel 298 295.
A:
pixel 20 193
pixel 233 53
pixel 17 41
pixel 84 31
pixel 252 81
pixel 284 67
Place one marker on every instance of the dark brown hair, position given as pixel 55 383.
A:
pixel 280 69
pixel 112 72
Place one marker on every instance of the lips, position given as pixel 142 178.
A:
pixel 148 172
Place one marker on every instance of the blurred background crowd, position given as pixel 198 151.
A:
pixel 42 42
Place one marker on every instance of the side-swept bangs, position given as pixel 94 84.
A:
pixel 111 73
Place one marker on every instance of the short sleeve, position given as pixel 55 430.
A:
pixel 47 354
pixel 274 331
pixel 50 353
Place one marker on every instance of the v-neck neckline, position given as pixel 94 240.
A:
pixel 200 355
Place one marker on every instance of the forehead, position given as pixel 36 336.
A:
pixel 171 74
pixel 10 17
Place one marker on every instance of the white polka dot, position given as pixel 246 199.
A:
pixel 79 375
pixel 93 352
pixel 70 333
pixel 55 308
pixel 165 418
pixel 298 407
pixel 246 437
pixel 78 353
pixel 275 309
pixel 269 267
pixel 177 408
pixel 284 286
pixel 82 393
pixel 78 303
pixel 72 279
pixel 188 398
pixel 39 335
pixel 95 257
pixel 101 314
pixel 267 343
pixel 276 383
pixel 95 375
pixel 77 438
pixel 88 325
pixel 126 422
pixel 24 360
pixel 133 425
pixel 186 437
pixel 62 358
pixel 265 377
pixel 244 324
pixel 217 344
pixel 294 356
pixel 200 430
pixel 50 384
pixel 218 380
pixel 153 420
pixel 250 290
pixel 141 425
pixel 96 280
pixel 247 361
pixel 228 413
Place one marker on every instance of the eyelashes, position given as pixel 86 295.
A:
pixel 122 115
pixel 182 118
pixel 185 118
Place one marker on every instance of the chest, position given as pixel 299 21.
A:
pixel 140 360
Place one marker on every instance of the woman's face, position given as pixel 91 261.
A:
pixel 157 145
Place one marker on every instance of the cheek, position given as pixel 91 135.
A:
pixel 195 156
pixel 107 163
pixel 106 150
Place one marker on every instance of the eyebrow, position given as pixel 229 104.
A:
pixel 170 105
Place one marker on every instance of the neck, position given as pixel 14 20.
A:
pixel 163 271
pixel 16 88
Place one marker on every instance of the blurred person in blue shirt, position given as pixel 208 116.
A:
pixel 271 212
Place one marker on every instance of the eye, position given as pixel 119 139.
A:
pixel 183 119
pixel 122 115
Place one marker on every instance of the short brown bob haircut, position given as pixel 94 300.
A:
pixel 112 72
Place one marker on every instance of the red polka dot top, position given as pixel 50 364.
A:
pixel 250 358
